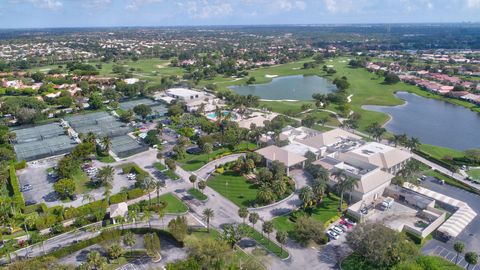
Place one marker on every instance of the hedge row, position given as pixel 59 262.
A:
pixel 435 160
pixel 133 168
pixel 18 199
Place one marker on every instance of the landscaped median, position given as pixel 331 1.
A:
pixel 266 243
pixel 326 213
pixel 171 204
pixel 197 194
pixel 163 169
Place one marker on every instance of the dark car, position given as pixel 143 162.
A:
pixel 30 202
pixel 194 150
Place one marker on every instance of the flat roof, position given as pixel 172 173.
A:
pixel 127 105
pixel 183 92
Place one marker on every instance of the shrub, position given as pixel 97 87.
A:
pixel 21 165
pixel 32 208
pixel 18 199
pixel 133 168
pixel 220 170
pixel 118 198
pixel 135 193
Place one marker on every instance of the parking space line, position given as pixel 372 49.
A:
pixel 435 251
pixel 448 256
pixel 443 250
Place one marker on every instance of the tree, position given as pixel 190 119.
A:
pixel 253 218
pixel 207 148
pixel 178 227
pixel 30 220
pixel 95 101
pixel 309 120
pixel 379 245
pixel 279 187
pixel 207 216
pixel 172 166
pixel 192 179
pixel 126 116
pixel 267 227
pixel 471 258
pixel 306 195
pixel 107 144
pixel 265 194
pixel 233 233
pixel 243 213
pixel 95 260
pixel 459 247
pixel 413 143
pixel 281 238
pixel 129 240
pixel 105 176
pixel 65 187
pixel 152 244
pixel 307 230
pixel 202 185
pixel 391 78
pixel 142 110
pixel 115 251
pixel 346 184
pixel 208 254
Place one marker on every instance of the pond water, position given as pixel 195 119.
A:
pixel 297 87
pixel 433 121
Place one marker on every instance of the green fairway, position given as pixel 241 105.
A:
pixel 235 188
pixel 325 212
pixel 174 204
pixel 193 162
pixel 439 152
pixel 474 174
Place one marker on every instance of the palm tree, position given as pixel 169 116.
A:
pixel 319 186
pixel 158 186
pixel 91 138
pixel 107 144
pixel 132 216
pixel 346 184
pixel 471 258
pixel 95 260
pixel 106 193
pixel 265 194
pixel 129 240
pixel 413 143
pixel 279 187
pixel 147 215
pixel 459 247
pixel 305 195
pixel 267 227
pixel 161 214
pixel 253 218
pixel 281 238
pixel 105 175
pixel 207 215
pixel 149 184
pixel 243 213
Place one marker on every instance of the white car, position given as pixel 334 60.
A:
pixel 337 230
pixel 332 235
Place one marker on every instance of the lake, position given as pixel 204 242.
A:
pixel 288 88
pixel 433 121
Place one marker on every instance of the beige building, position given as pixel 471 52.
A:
pixel 289 159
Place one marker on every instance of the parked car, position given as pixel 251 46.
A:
pixel 337 230
pixel 343 227
pixel 351 222
pixel 340 228
pixel 194 150
pixel 331 235
pixel 348 225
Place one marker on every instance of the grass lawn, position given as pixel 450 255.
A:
pixel 323 213
pixel 172 175
pixel 474 174
pixel 332 120
pixel 105 158
pixel 266 243
pixel 356 262
pixel 174 204
pixel 82 182
pixel 159 166
pixel 197 194
pixel 238 190
pixel 196 161
pixel 439 152
pixel 285 107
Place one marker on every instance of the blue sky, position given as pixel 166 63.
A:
pixel 80 13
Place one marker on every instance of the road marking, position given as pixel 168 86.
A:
pixel 443 250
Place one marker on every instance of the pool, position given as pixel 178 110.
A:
pixel 213 115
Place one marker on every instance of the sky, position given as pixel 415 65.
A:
pixel 91 13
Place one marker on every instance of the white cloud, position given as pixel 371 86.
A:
pixel 96 4
pixel 473 3
pixel 46 4
pixel 206 9
pixel 135 4
pixel 340 5
pixel 290 5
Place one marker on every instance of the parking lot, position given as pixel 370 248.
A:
pixel 142 263
pixel 451 255
pixel 470 235
pixel 41 183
